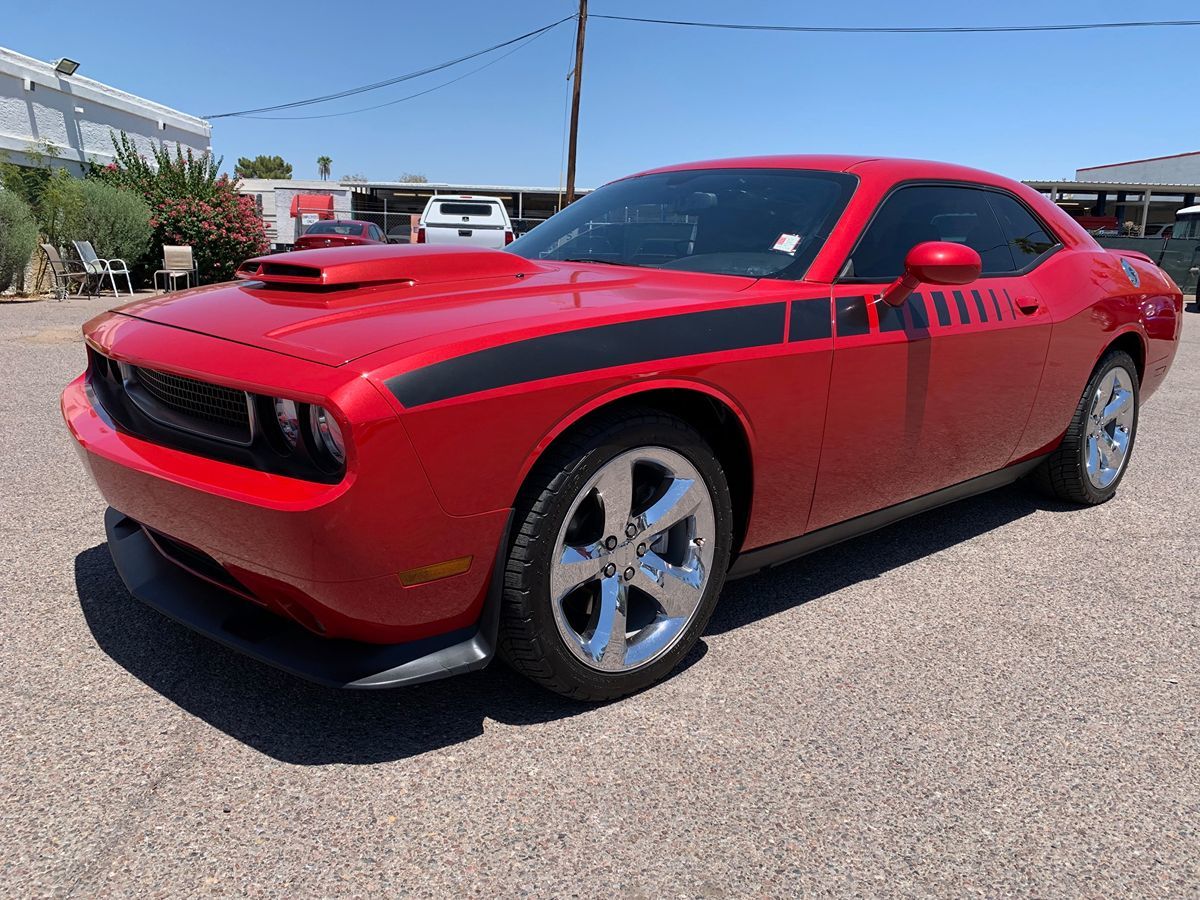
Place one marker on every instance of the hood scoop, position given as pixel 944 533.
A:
pixel 345 268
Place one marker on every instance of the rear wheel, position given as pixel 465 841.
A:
pixel 1091 461
pixel 623 537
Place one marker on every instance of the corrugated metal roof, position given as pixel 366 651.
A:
pixel 1110 185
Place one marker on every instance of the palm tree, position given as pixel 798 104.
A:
pixel 323 165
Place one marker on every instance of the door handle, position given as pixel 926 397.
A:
pixel 1028 305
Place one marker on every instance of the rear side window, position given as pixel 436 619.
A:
pixel 913 215
pixel 1027 238
pixel 466 209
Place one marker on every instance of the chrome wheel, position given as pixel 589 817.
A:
pixel 1110 428
pixel 633 559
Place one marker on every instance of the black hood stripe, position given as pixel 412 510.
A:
pixel 588 349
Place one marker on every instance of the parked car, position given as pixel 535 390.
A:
pixel 374 466
pixel 465 219
pixel 339 233
pixel 400 234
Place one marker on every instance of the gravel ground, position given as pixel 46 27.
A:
pixel 996 698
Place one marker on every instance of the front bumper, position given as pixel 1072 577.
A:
pixel 218 614
pixel 328 556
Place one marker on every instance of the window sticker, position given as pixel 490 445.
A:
pixel 787 243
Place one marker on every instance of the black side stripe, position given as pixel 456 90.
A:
pixel 585 349
pixel 943 311
pixel 909 317
pixel 810 320
pixel 963 316
pixel 996 303
pixel 852 316
pixel 979 306
pixel 1012 308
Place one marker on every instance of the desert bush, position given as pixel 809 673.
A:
pixel 117 222
pixel 18 239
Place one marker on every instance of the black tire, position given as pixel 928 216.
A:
pixel 1063 474
pixel 529 639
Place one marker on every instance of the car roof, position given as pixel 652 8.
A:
pixel 883 168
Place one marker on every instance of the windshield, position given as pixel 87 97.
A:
pixel 761 223
pixel 1187 226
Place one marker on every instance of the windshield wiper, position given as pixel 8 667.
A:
pixel 593 259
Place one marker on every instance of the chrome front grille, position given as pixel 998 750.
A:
pixel 201 399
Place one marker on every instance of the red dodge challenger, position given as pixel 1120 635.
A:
pixel 377 465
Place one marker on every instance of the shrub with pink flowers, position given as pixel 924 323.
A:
pixel 190 203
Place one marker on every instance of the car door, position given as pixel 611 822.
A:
pixel 939 390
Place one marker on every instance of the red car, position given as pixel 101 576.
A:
pixel 378 465
pixel 339 233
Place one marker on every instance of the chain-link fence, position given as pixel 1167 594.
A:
pixel 401 227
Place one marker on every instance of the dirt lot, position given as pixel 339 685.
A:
pixel 999 697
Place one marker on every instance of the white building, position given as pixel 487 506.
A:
pixel 1178 168
pixel 39 105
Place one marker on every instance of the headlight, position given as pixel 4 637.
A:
pixel 288 418
pixel 326 433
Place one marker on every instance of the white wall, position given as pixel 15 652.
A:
pixel 1182 169
pixel 76 114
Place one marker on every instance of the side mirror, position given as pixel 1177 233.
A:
pixel 933 262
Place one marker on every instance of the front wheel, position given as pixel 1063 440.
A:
pixel 1091 461
pixel 622 541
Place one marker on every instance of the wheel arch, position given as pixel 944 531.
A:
pixel 1133 342
pixel 719 419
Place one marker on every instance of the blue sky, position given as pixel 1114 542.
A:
pixel 1025 105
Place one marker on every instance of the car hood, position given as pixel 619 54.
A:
pixel 336 305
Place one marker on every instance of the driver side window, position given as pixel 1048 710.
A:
pixel 913 215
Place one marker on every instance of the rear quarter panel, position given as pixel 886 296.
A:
pixel 1093 303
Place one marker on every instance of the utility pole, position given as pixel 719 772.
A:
pixel 581 23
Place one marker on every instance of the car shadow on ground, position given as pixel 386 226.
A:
pixel 869 556
pixel 305 724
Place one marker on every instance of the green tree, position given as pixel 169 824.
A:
pixel 57 206
pixel 18 238
pixel 413 178
pixel 27 180
pixel 262 167
pixel 190 203
pixel 324 164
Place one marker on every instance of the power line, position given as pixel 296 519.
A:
pixel 969 29
pixel 436 87
pixel 350 92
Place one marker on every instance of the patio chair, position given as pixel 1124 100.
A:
pixel 99 268
pixel 177 263
pixel 66 272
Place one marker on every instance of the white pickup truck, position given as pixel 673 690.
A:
pixel 465 219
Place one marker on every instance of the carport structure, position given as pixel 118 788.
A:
pixel 1097 203
pixel 391 202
